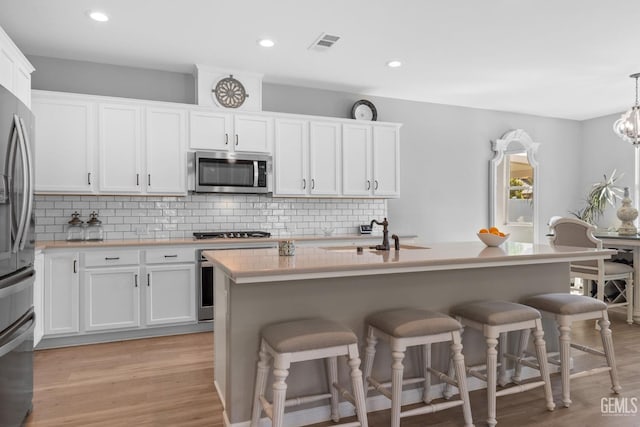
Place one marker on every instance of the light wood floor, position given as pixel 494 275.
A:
pixel 168 382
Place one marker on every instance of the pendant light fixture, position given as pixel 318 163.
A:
pixel 627 127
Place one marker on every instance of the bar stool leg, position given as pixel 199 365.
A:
pixel 629 295
pixel 461 376
pixel 357 385
pixel 541 353
pixel 280 373
pixel 522 347
pixel 369 355
pixel 564 327
pixel 261 384
pixel 492 361
pixel 502 370
pixel 397 370
pixel 332 376
pixel 426 362
pixel 607 343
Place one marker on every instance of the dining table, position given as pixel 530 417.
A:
pixel 614 240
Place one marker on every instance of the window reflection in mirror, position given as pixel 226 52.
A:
pixel 519 192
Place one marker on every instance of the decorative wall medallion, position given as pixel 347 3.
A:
pixel 229 92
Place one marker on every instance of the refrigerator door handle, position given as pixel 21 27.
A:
pixel 24 138
pixel 25 180
pixel 17 283
pixel 9 167
pixel 6 347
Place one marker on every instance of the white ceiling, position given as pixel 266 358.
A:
pixel 567 58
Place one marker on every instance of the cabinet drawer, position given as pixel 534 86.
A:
pixel 170 255
pixel 115 257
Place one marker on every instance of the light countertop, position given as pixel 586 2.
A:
pixel 265 265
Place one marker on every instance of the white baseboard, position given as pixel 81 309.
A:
pixel 375 403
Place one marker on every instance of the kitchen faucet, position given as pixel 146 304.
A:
pixel 385 235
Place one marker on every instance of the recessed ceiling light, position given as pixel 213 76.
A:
pixel 98 16
pixel 266 42
pixel 394 64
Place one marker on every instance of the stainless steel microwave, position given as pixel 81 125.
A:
pixel 222 172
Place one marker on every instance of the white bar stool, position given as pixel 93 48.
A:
pixel 301 340
pixel 494 319
pixel 404 328
pixel 566 309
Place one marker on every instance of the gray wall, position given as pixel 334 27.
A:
pixel 445 150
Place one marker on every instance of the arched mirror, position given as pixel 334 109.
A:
pixel 513 186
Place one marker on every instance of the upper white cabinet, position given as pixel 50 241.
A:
pixel 231 132
pixel 165 146
pixel 15 69
pixel 65 128
pixel 307 158
pixel 108 147
pixel 371 160
pixel 120 144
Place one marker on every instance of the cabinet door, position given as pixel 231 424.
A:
pixel 291 154
pixel 61 293
pixel 119 139
pixel 356 173
pixel 386 161
pixel 171 294
pixel 112 298
pixel 166 159
pixel 210 131
pixel 65 130
pixel 324 158
pixel 252 133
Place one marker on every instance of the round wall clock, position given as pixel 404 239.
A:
pixel 229 92
pixel 364 110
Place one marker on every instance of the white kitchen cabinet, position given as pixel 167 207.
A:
pixel 307 158
pixel 120 148
pixel 291 152
pixel 210 131
pixel 170 294
pixel 15 69
pixel 65 130
pixel 38 297
pixel 165 150
pixel 111 298
pixel 371 160
pixel 252 133
pixel 61 293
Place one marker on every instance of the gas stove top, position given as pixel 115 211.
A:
pixel 199 235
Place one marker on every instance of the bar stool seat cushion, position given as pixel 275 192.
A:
pixel 307 334
pixel 410 322
pixel 610 268
pixel 496 312
pixel 560 303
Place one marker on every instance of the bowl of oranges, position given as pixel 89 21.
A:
pixel 492 236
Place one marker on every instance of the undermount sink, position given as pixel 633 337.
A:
pixel 352 248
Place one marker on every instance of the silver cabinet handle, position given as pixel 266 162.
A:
pixel 148 279
pixel 89 178
pixel 75 266
pixel 111 258
pixel 368 185
pixel 304 184
pixel 149 180
pixel 375 184
pixel 313 183
pixel 135 280
pixel 226 139
pixel 171 256
pixel 237 139
pixel 137 179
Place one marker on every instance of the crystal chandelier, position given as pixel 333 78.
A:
pixel 627 126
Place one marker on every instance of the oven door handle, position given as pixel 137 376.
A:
pixel 7 347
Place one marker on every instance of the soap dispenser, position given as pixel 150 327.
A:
pixel 75 230
pixel 94 228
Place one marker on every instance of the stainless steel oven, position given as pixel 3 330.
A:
pixel 205 288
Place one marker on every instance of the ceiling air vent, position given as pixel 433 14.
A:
pixel 324 42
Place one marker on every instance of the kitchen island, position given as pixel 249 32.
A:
pixel 255 287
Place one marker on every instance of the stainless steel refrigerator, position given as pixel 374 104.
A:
pixel 17 319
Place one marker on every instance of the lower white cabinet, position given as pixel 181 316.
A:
pixel 111 298
pixel 170 294
pixel 61 293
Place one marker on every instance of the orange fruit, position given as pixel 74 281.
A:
pixel 494 230
pixel 483 231
pixel 501 234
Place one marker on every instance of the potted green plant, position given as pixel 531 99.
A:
pixel 602 193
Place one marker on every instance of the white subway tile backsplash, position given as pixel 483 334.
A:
pixel 176 217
